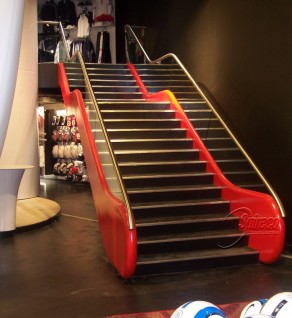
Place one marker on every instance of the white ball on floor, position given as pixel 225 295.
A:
pixel 279 305
pixel 252 308
pixel 260 316
pixel 198 309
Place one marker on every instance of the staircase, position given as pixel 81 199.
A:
pixel 181 219
pixel 236 168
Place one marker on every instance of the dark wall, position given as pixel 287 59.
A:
pixel 240 50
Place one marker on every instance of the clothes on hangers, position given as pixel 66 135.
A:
pixel 60 54
pixel 46 49
pixel 85 46
pixel 67 12
pixel 84 25
pixel 103 47
pixel 49 11
pixel 103 12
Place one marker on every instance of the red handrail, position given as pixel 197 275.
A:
pixel 119 241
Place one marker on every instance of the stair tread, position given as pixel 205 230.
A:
pixel 119 93
pixel 177 204
pixel 215 138
pixel 196 235
pixel 249 185
pixel 240 172
pixel 169 81
pixel 144 129
pixel 193 255
pixel 131 111
pixel 141 119
pixel 172 188
pixel 181 219
pixel 166 84
pixel 117 99
pixel 197 110
pixel 102 86
pixel 163 162
pixel 165 175
pixel 155 151
pixel 140 140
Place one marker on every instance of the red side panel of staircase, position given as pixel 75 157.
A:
pixel 119 241
pixel 260 217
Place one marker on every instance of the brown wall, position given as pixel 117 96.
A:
pixel 240 50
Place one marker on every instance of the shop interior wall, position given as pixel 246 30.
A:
pixel 240 52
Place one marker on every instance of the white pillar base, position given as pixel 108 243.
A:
pixel 10 177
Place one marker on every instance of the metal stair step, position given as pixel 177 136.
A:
pixel 205 122
pixel 218 132
pixel 147 133
pixel 128 105
pixel 199 113
pixel 106 89
pixel 156 155
pixel 113 76
pixel 243 177
pixel 194 105
pixel 174 89
pixel 139 168
pixel 142 123
pixel 156 66
pixel 148 180
pixel 171 143
pixel 111 71
pixel 160 194
pixel 233 165
pixel 115 88
pixel 226 154
pixel 188 207
pixel 151 77
pixel 260 187
pixel 118 95
pixel 218 142
pixel 190 261
pixel 106 66
pixel 160 71
pixel 154 220
pixel 112 82
pixel 138 114
pixel 193 223
pixel 198 235
pixel 168 83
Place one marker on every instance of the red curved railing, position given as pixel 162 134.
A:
pixel 119 241
pixel 259 214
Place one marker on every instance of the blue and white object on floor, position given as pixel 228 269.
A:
pixel 259 316
pixel 198 309
pixel 252 308
pixel 279 306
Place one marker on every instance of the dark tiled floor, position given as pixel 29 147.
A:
pixel 61 271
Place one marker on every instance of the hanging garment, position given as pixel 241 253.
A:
pixel 85 47
pixel 60 54
pixel 47 48
pixel 103 11
pixel 67 13
pixel 49 12
pixel 83 26
pixel 103 47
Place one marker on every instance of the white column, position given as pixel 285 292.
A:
pixel 21 143
pixel 11 17
pixel 10 178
